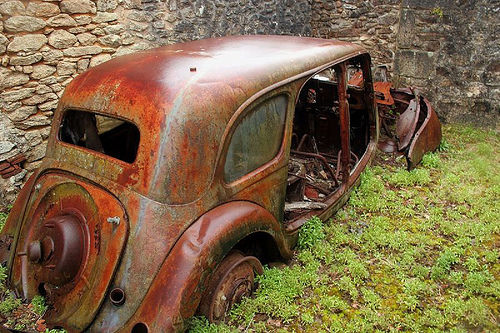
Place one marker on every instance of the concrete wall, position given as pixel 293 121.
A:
pixel 449 48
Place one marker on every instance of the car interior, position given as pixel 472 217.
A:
pixel 315 167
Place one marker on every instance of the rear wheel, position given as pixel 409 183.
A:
pixel 231 281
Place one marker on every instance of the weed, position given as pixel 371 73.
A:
pixel 438 12
pixel 38 304
pixel 491 256
pixel 3 218
pixel 432 318
pixel 347 285
pixel 472 311
pixel 456 277
pixel 404 178
pixel 9 304
pixel 444 145
pixel 3 274
pixel 201 325
pixel 311 233
pixel 278 290
pixel 431 161
pixel 333 303
pixel 371 298
pixel 444 263
pixel 476 282
pixel 472 264
pixel 307 318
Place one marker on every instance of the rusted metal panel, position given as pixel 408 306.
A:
pixel 345 152
pixel 228 71
pixel 383 93
pixel 417 127
pixel 427 138
pixel 180 282
pixel 407 123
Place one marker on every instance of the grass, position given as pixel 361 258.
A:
pixel 3 218
pixel 411 251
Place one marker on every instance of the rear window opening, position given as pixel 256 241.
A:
pixel 111 136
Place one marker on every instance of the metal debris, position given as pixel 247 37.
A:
pixel 409 124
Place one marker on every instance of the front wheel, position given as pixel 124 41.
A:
pixel 231 281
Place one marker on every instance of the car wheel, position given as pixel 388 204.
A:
pixel 232 280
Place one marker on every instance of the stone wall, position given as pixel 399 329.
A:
pixel 45 44
pixel 452 48
pixel 449 48
pixel 373 24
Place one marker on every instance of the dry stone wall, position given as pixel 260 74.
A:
pixel 373 24
pixel 450 48
pixel 44 44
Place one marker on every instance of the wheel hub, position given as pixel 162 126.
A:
pixel 233 280
pixel 58 249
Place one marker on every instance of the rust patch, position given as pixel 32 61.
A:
pixel 383 93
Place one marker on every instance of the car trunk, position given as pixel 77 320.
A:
pixel 70 242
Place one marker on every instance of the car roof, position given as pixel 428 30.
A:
pixel 185 94
pixel 245 60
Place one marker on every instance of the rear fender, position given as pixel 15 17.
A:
pixel 177 289
pixel 9 236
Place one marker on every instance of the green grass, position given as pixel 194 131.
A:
pixel 3 218
pixel 411 251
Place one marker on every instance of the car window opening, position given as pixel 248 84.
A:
pixel 111 136
pixel 315 166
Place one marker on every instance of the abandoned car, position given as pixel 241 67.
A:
pixel 172 175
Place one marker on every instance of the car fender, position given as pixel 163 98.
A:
pixel 177 289
pixel 9 236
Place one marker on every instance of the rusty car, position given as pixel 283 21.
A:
pixel 173 175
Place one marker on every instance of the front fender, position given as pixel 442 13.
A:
pixel 176 291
